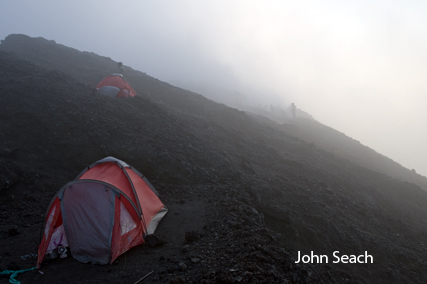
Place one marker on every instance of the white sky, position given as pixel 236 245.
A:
pixel 357 66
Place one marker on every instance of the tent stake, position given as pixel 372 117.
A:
pixel 143 277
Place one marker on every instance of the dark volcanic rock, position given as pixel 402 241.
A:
pixel 154 240
pixel 192 236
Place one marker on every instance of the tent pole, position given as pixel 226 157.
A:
pixel 144 277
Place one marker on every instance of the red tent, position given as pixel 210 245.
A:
pixel 106 210
pixel 115 86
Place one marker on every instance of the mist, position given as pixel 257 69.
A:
pixel 360 68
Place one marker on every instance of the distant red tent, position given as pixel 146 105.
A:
pixel 115 86
pixel 106 210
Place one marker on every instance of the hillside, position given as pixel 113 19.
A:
pixel 89 68
pixel 343 146
pixel 257 193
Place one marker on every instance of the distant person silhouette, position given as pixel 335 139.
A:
pixel 121 68
pixel 293 110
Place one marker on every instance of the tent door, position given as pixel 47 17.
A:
pixel 88 214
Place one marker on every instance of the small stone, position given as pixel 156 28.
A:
pixel 184 249
pixel 154 240
pixel 252 267
pixel 192 236
pixel 182 266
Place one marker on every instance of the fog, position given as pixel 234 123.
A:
pixel 357 66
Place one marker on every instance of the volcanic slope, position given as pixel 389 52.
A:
pixel 89 68
pixel 255 194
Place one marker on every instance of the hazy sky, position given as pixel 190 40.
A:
pixel 357 66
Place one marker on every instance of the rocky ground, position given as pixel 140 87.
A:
pixel 244 196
